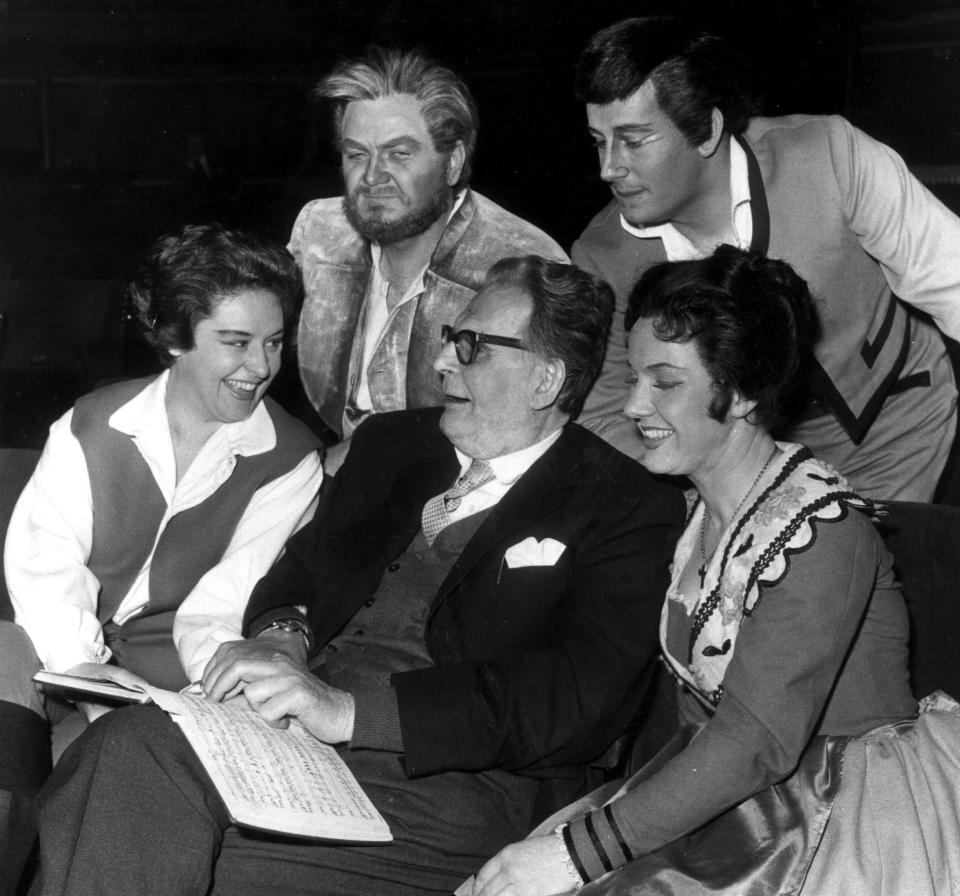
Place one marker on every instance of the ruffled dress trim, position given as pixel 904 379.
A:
pixel 798 493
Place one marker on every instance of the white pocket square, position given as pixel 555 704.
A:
pixel 531 552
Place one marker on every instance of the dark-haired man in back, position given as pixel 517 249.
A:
pixel 669 109
pixel 482 585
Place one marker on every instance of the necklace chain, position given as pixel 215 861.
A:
pixel 704 559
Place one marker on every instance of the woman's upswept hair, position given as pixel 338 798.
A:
pixel 751 318
pixel 188 273
pixel 445 101
pixel 692 72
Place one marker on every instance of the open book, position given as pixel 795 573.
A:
pixel 276 780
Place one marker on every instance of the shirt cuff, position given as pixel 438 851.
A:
pixel 64 660
pixel 376 722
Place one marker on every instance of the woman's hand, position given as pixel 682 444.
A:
pixel 103 671
pixel 93 711
pixel 108 672
pixel 537 866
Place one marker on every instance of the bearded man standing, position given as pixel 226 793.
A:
pixel 407 246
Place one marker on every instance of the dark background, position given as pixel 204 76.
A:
pixel 100 103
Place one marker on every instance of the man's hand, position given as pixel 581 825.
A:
pixel 237 663
pixel 271 672
pixel 326 712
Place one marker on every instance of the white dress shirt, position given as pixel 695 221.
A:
pixel 49 540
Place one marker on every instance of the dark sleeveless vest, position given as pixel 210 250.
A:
pixel 127 510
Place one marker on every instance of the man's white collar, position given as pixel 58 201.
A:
pixel 676 245
pixel 508 468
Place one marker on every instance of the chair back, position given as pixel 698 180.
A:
pixel 16 467
pixel 57 325
pixel 18 299
pixel 925 542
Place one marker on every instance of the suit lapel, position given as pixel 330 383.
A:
pixel 382 501
pixel 430 473
pixel 759 210
pixel 452 235
pixel 423 480
pixel 328 326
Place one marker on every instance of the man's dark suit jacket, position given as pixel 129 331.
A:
pixel 536 668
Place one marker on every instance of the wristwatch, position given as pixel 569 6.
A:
pixel 290 624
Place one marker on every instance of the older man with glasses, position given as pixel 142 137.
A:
pixel 470 617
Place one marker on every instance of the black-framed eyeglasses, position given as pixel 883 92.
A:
pixel 467 342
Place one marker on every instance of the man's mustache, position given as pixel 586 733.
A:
pixel 378 192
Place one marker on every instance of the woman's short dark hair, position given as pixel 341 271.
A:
pixel 570 320
pixel 190 271
pixel 751 318
pixel 445 101
pixel 692 72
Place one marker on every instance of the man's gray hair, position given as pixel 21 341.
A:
pixel 446 103
pixel 571 312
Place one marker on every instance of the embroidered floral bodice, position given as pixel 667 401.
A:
pixel 753 553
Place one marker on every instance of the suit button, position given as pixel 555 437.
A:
pixel 370 603
pixel 393 567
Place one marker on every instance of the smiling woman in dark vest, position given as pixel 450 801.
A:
pixel 157 503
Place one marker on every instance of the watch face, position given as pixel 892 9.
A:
pixel 289 625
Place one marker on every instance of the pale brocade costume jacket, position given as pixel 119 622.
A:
pixel 336 266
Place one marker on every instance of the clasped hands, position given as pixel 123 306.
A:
pixel 271 672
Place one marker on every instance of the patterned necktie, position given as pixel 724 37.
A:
pixel 435 512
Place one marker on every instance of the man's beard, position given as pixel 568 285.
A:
pixel 375 229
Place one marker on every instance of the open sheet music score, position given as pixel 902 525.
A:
pixel 276 780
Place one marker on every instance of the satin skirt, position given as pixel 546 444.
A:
pixel 895 825
pixel 875 815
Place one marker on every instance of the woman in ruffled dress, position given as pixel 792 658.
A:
pixel 802 764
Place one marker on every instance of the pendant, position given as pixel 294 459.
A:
pixel 702 572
